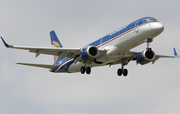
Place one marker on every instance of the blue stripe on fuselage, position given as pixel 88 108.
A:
pixel 63 64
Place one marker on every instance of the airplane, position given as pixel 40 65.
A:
pixel 111 49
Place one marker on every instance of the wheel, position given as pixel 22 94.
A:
pixel 125 72
pixel 83 70
pixel 119 72
pixel 88 70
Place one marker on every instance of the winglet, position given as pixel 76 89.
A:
pixel 175 53
pixel 5 42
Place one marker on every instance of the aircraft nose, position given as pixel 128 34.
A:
pixel 158 27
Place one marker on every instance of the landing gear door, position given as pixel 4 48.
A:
pixel 136 26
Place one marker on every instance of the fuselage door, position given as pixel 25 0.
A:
pixel 136 26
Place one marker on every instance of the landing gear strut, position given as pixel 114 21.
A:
pixel 85 69
pixel 148 41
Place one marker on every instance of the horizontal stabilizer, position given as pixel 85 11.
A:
pixel 39 65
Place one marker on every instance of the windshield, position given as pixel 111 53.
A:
pixel 150 20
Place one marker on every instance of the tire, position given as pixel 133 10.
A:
pixel 125 72
pixel 88 70
pixel 83 70
pixel 119 72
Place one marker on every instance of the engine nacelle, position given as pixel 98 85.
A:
pixel 89 53
pixel 145 56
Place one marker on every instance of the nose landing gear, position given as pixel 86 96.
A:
pixel 148 41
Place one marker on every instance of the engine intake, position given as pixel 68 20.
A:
pixel 145 56
pixel 89 53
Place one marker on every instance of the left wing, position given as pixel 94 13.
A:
pixel 130 56
pixel 134 55
pixel 66 52
pixel 165 56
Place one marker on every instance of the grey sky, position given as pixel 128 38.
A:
pixel 147 89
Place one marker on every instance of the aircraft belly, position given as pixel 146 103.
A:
pixel 75 67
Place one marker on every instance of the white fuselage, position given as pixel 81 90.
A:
pixel 121 46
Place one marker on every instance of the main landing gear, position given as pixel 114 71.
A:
pixel 85 69
pixel 122 71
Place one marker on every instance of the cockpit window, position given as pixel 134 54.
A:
pixel 144 20
pixel 149 20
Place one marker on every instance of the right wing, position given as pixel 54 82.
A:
pixel 66 52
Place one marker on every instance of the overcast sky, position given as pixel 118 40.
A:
pixel 148 89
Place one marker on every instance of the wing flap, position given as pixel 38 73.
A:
pixel 71 52
pixel 39 65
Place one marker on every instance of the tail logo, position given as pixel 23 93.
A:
pixel 56 44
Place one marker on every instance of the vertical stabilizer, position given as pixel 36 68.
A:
pixel 55 42
pixel 54 39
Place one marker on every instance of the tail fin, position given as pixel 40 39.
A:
pixel 55 41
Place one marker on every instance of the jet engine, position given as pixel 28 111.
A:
pixel 89 53
pixel 145 56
